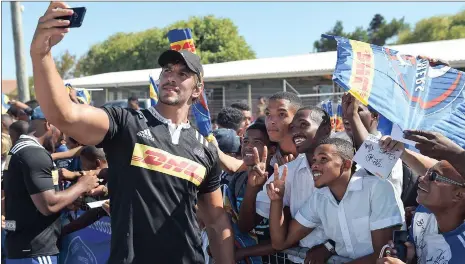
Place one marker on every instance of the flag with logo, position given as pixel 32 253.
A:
pixel 181 39
pixel 403 88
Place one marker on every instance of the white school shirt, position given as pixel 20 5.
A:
pixel 369 203
pixel 299 186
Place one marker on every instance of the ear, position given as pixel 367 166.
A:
pixel 347 165
pixel 459 196
pixel 198 90
pixel 98 163
pixel 375 116
pixel 47 126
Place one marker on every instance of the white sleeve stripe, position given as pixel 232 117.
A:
pixel 49 260
pixel 40 260
pixel 23 145
pixel 461 240
pixel 387 222
pixel 303 221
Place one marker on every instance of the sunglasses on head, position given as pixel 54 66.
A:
pixel 435 176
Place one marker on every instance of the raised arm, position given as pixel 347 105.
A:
pixel 350 106
pixel 39 184
pixel 416 161
pixel 256 178
pixel 439 147
pixel 283 236
pixel 87 124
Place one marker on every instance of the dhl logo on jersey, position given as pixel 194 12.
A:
pixel 158 160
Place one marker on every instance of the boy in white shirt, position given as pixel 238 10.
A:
pixel 358 213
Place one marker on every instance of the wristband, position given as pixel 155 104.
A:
pixel 330 247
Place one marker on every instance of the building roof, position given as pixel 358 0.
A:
pixel 8 86
pixel 312 64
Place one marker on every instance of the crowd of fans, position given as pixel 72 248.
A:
pixel 287 179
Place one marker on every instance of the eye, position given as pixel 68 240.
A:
pixel 303 125
pixel 183 74
pixel 283 115
pixel 267 113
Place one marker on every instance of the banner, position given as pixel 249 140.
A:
pixel 181 39
pixel 404 89
pixel 90 245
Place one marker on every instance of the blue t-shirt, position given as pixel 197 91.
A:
pixel 432 247
pixel 63 163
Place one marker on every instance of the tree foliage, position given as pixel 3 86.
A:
pixel 435 28
pixel 378 32
pixel 216 40
pixel 65 63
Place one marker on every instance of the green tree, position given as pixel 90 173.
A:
pixel 435 28
pixel 378 32
pixel 65 63
pixel 216 40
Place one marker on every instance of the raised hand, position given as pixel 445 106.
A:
pixel 391 145
pixel 48 32
pixel 89 181
pixel 433 144
pixel 275 189
pixel 349 105
pixel 285 159
pixel 257 173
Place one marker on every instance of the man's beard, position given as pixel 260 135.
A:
pixel 49 145
pixel 169 102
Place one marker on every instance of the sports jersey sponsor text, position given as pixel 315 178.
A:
pixel 159 160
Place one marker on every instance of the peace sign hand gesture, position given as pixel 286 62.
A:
pixel 257 173
pixel 275 189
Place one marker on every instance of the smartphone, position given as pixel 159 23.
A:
pixel 400 237
pixel 76 18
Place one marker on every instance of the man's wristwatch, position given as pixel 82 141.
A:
pixel 329 245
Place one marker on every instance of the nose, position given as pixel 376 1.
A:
pixel 422 179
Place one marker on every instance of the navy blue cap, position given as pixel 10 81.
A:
pixel 37 114
pixel 192 60
pixel 227 139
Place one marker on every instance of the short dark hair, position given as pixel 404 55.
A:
pixel 20 127
pixel 230 118
pixel 133 98
pixel 317 115
pixel 261 127
pixel 260 119
pixel 93 153
pixel 241 106
pixel 293 98
pixel 15 111
pixel 345 149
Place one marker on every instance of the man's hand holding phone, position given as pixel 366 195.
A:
pixel 52 27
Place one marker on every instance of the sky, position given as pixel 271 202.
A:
pixel 272 29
